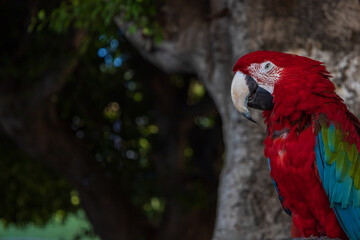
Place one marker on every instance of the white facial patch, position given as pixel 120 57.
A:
pixel 266 74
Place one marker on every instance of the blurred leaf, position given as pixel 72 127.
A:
pixel 196 91
pixel 132 29
pixel 41 14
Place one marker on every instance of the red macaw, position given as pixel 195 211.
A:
pixel 312 141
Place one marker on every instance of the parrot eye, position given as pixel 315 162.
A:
pixel 267 66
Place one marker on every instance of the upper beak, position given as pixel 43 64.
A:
pixel 245 92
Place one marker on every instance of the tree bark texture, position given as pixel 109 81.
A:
pixel 206 38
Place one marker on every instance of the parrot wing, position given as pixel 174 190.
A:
pixel 338 164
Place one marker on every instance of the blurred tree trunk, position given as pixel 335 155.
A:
pixel 176 123
pixel 206 38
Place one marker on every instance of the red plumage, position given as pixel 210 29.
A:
pixel 301 94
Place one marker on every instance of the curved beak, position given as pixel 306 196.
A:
pixel 245 92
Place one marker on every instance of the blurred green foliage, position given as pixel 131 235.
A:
pixel 97 15
pixel 109 104
pixel 120 127
pixel 75 227
pixel 116 124
pixel 29 190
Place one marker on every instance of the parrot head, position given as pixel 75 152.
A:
pixel 259 74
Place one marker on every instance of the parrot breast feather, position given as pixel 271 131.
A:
pixel 338 164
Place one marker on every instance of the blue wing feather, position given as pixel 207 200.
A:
pixel 338 184
pixel 349 220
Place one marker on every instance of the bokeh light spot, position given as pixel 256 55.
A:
pixel 128 75
pixel 131 154
pixel 80 134
pixel 112 111
pixel 108 60
pixel 188 152
pixel 118 62
pixel 155 203
pixel 102 37
pixel 75 200
pixel 153 129
pixel 117 126
pixel 131 85
pixel 102 52
pixel 59 215
pixel 144 143
pixel 114 106
pixel 114 43
pixel 138 97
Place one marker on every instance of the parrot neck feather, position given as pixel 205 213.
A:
pixel 298 97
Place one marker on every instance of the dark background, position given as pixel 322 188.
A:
pixel 84 116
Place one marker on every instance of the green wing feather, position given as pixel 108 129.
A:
pixel 341 172
pixel 338 164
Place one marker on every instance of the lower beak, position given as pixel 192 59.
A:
pixel 245 92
